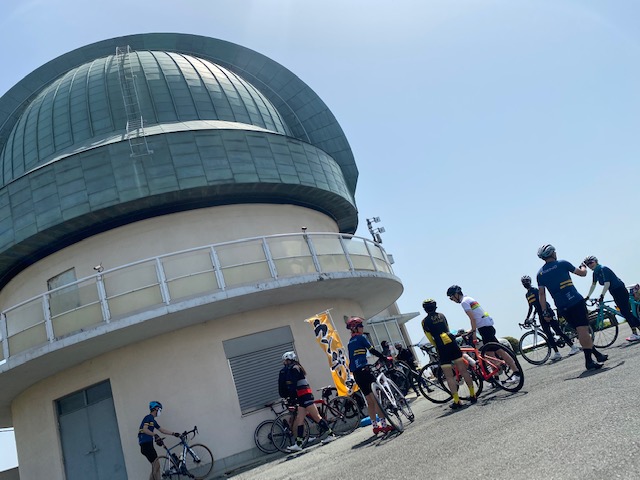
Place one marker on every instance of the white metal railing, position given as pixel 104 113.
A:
pixel 116 293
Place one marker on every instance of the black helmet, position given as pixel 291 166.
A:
pixel 429 305
pixel 526 279
pixel 453 289
pixel 545 251
pixel 590 259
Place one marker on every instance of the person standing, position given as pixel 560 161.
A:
pixel 436 329
pixel 293 386
pixel 533 299
pixel 611 283
pixel 555 277
pixel 146 436
pixel 358 347
pixel 482 323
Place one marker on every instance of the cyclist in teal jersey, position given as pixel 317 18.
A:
pixel 555 277
pixel 611 283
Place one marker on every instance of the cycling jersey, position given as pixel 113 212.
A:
pixel 150 422
pixel 605 274
pixel 555 277
pixel 436 329
pixel 358 347
pixel 533 297
pixel 483 319
pixel 405 355
pixel 292 383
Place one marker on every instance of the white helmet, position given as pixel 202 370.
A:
pixel 546 251
pixel 289 356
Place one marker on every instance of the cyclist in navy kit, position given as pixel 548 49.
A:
pixel 532 297
pixel 146 436
pixel 604 276
pixel 555 276
pixel 358 347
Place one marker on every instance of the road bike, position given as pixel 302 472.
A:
pixel 486 364
pixel 262 433
pixel 604 323
pixel 186 461
pixel 534 345
pixel 389 397
pixel 341 414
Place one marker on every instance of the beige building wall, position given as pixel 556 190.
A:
pixel 160 235
pixel 187 371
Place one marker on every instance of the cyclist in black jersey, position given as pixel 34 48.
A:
pixel 436 329
pixel 533 298
pixel 147 434
pixel 406 356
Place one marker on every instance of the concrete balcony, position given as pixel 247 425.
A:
pixel 113 308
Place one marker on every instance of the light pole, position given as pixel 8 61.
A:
pixel 375 232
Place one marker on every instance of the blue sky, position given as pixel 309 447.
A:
pixel 481 129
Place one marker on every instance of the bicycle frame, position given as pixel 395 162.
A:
pixel 482 362
pixel 178 461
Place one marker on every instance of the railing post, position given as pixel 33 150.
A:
pixel 373 260
pixel 270 262
pixel 102 295
pixel 217 268
pixel 46 311
pixel 314 255
pixel 162 281
pixel 346 253
pixel 4 331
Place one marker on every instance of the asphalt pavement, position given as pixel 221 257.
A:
pixel 565 424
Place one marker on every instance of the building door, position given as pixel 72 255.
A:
pixel 89 435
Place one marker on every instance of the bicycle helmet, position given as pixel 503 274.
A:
pixel 154 405
pixel 546 251
pixel 354 322
pixel 398 345
pixel 429 305
pixel 526 279
pixel 453 289
pixel 590 259
pixel 289 356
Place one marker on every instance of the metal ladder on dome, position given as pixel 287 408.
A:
pixel 135 123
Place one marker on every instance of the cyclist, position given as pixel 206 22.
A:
pixel 406 356
pixel 294 387
pixel 146 436
pixel 358 347
pixel 555 276
pixel 534 303
pixel 611 283
pixel 436 329
pixel 481 322
pixel 386 349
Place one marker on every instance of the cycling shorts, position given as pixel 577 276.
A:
pixel 364 378
pixel 488 334
pixel 147 449
pixel 305 400
pixel 448 353
pixel 576 315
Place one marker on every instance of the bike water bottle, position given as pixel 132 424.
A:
pixel 471 361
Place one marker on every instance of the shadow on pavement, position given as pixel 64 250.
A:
pixel 591 373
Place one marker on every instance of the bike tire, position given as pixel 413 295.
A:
pixel 403 405
pixel 342 415
pixel 385 404
pixel 400 379
pixel 262 437
pixel 430 385
pixel 602 335
pixel 463 389
pixel 199 461
pixel 168 469
pixel 502 372
pixel 534 347
pixel 282 434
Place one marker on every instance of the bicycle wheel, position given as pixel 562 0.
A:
pixel 403 405
pixel 534 347
pixel 400 379
pixel 386 405
pixel 361 401
pixel 494 355
pixel 430 386
pixel 342 415
pixel 605 331
pixel 262 437
pixel 199 461
pixel 282 434
pixel 463 388
pixel 168 469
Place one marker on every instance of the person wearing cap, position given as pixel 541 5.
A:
pixel 146 436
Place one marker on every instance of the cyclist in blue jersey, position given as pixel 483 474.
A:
pixel 611 283
pixel 358 347
pixel 555 277
pixel 533 299
pixel 294 387
pixel 146 436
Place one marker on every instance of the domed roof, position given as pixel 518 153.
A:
pixel 86 104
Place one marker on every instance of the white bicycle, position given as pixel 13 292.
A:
pixel 389 397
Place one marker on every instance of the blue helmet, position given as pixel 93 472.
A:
pixel 153 405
